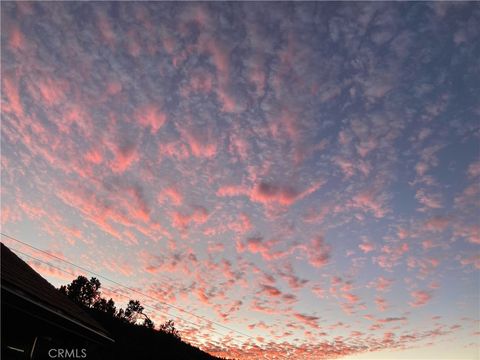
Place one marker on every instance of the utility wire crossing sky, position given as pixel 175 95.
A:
pixel 304 173
pixel 155 308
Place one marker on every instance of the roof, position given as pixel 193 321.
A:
pixel 18 277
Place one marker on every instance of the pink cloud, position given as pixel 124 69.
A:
pixel 231 191
pixel 213 248
pixel 199 82
pixel 257 76
pixel 55 226
pixel 10 86
pixel 434 262
pixel 115 266
pixel 356 334
pixel 289 123
pixel 470 232
pixel 351 298
pixel 200 141
pixel 106 30
pixel 228 271
pixel 347 167
pixel 428 244
pixel 371 201
pixel 287 273
pixel 242 225
pixel 316 216
pixel 124 156
pixel 162 292
pixel 366 247
pixel 474 169
pixel 308 320
pixel 469 198
pixel 52 90
pixel 134 45
pixel 344 137
pixel 421 168
pixel 391 255
pixel 32 211
pixel 182 221
pixel 114 87
pixel 471 260
pixel 139 209
pixel 94 156
pixel 131 209
pixel 151 263
pixel 383 284
pixel 262 307
pixel 265 248
pixel 318 291
pixel 172 194
pixel 437 223
pixel 265 192
pixel 203 296
pixel 270 291
pixel 198 14
pixel 259 325
pixel 219 55
pixel 432 201
pixel 381 304
pixel 270 171
pixel 150 116
pixel 238 144
pixel 387 262
pixel 75 114
pixel 420 298
pixel 9 215
pixel 16 38
pixel 428 159
pixel 403 233
pixel 214 230
pixel 366 146
pixel 318 252
pixel 174 149
pixel 50 271
pixel 388 337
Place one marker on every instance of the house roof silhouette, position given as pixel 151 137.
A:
pixel 19 280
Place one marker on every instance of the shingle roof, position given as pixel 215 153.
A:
pixel 18 276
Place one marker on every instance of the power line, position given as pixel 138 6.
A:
pixel 154 308
pixel 219 346
pixel 128 288
pixel 140 293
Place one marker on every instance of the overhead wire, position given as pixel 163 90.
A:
pixel 151 307
pixel 126 287
pixel 135 291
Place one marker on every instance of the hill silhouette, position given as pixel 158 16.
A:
pixel 134 339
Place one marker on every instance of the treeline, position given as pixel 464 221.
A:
pixel 132 329
pixel 87 294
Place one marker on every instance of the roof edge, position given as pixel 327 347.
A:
pixel 16 293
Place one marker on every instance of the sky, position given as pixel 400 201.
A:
pixel 306 174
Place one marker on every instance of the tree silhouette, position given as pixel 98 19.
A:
pixel 169 328
pixel 87 293
pixel 133 311
pixel 83 291
pixel 148 323
pixel 133 331
pixel 105 306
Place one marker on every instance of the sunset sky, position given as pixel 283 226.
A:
pixel 307 174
